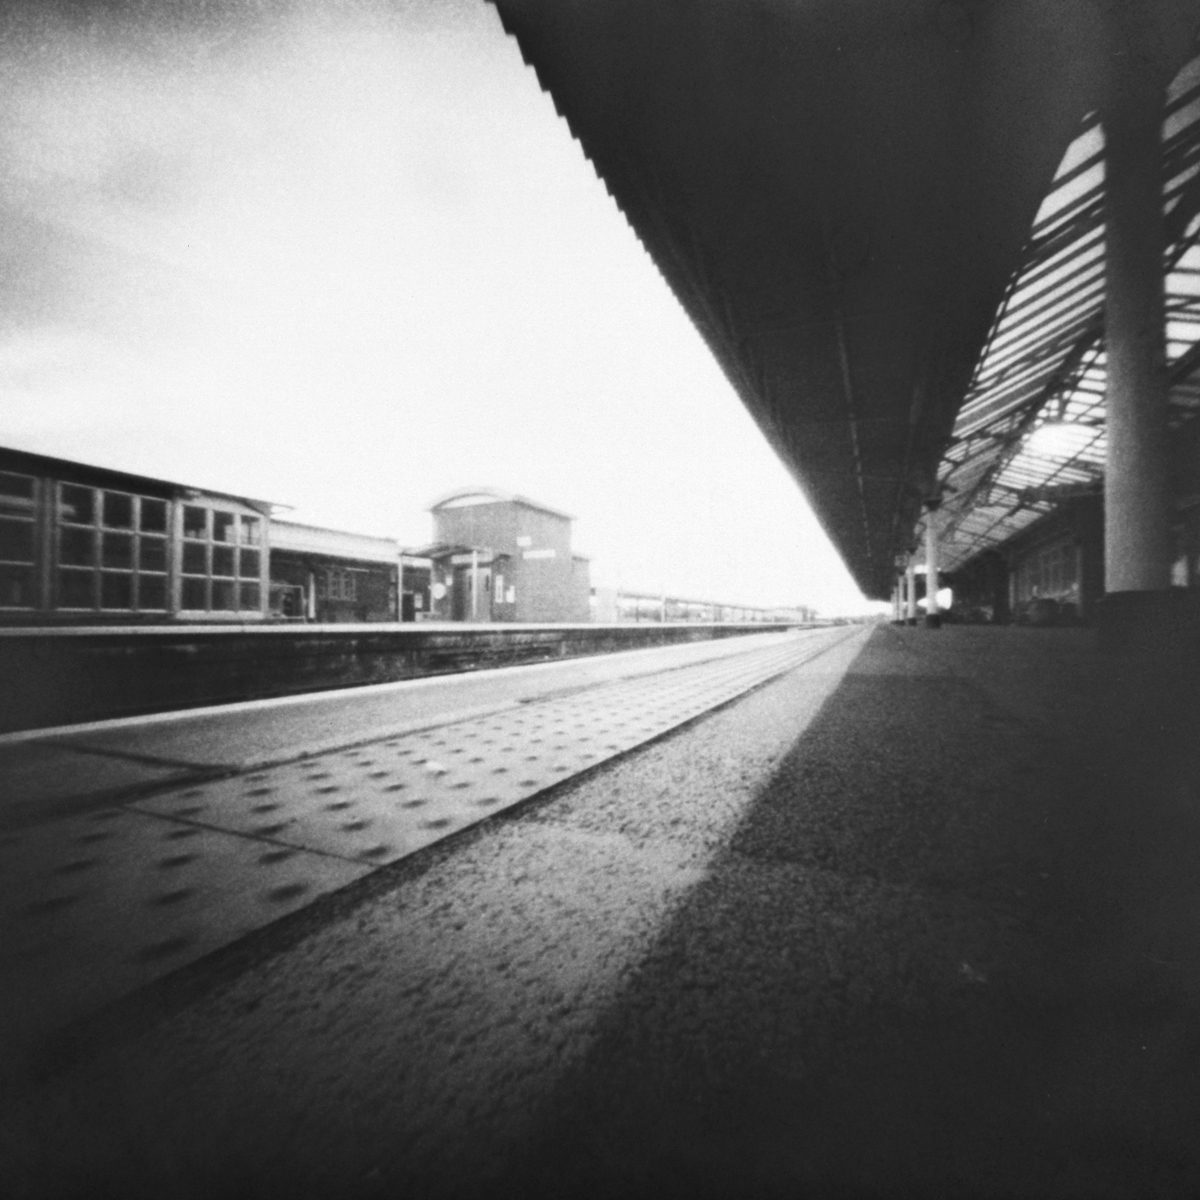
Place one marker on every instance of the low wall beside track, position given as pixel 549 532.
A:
pixel 67 675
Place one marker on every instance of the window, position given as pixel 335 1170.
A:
pixel 338 584
pixel 18 541
pixel 1049 573
pixel 221 562
pixel 112 550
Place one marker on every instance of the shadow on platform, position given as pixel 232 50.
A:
pixel 951 950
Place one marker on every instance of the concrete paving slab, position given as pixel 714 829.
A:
pixel 96 905
pixel 36 776
pixel 380 802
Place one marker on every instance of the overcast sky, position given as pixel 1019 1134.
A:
pixel 346 257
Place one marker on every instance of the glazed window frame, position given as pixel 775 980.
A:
pixel 20 584
pixel 339 583
pixel 112 550
pixel 221 560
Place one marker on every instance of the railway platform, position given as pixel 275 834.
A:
pixel 915 915
pixel 129 848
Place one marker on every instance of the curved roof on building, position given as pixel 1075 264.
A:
pixel 468 496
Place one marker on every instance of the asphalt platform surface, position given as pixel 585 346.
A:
pixel 920 917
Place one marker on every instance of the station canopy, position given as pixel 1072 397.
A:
pixel 1031 431
pixel 885 217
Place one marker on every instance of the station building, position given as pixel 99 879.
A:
pixel 327 575
pixel 497 556
pixel 86 544
pixel 82 544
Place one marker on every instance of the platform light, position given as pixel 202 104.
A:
pixel 945 599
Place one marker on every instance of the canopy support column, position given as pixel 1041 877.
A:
pixel 1137 501
pixel 933 615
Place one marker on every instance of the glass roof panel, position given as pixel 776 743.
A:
pixel 1031 426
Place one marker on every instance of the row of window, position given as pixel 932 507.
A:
pixel 1049 573
pixel 110 552
pixel 337 584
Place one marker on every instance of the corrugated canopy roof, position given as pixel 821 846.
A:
pixel 1031 430
pixel 839 191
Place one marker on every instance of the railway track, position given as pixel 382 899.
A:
pixel 98 904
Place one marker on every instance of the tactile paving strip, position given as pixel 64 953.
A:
pixel 96 905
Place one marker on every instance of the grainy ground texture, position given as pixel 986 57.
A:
pixel 919 918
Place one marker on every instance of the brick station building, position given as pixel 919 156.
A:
pixel 497 556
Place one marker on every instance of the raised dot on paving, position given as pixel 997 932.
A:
pixel 75 866
pixel 163 949
pixel 47 905
pixel 287 891
pixel 385 814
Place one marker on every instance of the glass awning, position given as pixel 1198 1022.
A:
pixel 1030 432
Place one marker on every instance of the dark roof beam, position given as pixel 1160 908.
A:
pixel 848 395
pixel 1028 300
pixel 1040 254
pixel 1035 299
pixel 1038 339
pixel 1182 368
pixel 1061 379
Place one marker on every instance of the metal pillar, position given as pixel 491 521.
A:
pixel 911 576
pixel 1137 500
pixel 933 616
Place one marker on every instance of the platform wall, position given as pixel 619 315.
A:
pixel 64 676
